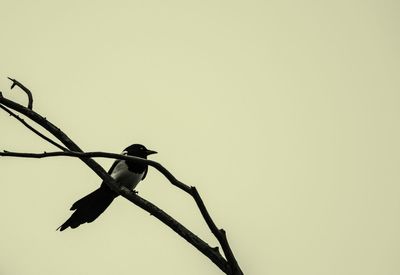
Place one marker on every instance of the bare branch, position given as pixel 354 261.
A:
pixel 220 234
pixel 11 113
pixel 203 247
pixel 26 90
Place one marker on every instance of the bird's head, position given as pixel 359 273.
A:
pixel 138 150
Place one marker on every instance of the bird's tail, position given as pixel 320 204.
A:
pixel 88 208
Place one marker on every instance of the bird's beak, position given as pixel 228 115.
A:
pixel 150 152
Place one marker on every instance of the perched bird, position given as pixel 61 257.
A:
pixel 126 173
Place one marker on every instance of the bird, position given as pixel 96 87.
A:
pixel 127 173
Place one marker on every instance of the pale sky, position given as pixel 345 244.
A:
pixel 284 114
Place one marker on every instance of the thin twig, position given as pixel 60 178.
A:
pixel 86 155
pixel 11 113
pixel 26 90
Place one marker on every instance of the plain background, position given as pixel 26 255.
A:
pixel 284 114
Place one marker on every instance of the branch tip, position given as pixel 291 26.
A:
pixel 14 82
pixel 26 90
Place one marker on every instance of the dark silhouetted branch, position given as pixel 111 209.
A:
pixel 220 234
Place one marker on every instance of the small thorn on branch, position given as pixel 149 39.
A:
pixel 14 82
pixel 26 90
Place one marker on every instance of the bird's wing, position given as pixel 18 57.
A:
pixel 145 173
pixel 111 170
pixel 113 166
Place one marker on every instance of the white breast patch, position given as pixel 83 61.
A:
pixel 125 177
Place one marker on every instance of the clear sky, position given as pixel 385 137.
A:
pixel 284 114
